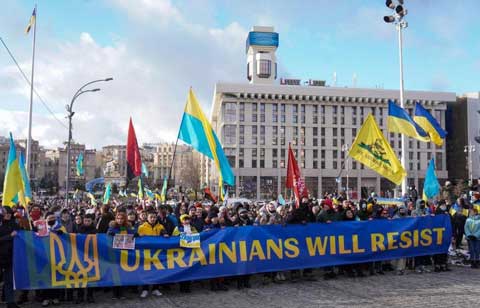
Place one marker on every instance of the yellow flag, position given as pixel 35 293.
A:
pixel 372 149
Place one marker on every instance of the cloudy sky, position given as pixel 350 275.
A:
pixel 156 49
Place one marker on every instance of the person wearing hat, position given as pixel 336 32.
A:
pixel 472 232
pixel 440 260
pixel 476 201
pixel 87 227
pixel 8 230
pixel 448 194
pixel 185 227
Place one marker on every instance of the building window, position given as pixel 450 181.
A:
pixel 230 112
pixel 323 142
pixel 315 164
pixel 240 163
pixel 262 135
pixel 265 69
pixel 229 134
pixel 315 154
pixel 254 163
pixel 315 142
pixel 334 142
pixel 274 153
pixel 334 132
pixel 262 163
pixel 274 163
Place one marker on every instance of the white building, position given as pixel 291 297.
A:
pixel 255 122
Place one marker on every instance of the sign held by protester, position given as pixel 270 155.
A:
pixel 190 240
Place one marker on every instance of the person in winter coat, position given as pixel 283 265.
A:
pixel 243 219
pixel 402 212
pixel 120 226
pixel 151 228
pixel 185 227
pixel 440 260
pixel 8 230
pixel 421 261
pixel 472 232
pixel 165 220
pixel 87 227
pixel 104 220
pixel 459 213
pixel 66 221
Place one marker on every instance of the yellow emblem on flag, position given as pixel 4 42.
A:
pixel 373 150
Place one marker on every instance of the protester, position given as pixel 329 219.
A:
pixel 472 232
pixel 151 228
pixel 8 230
pixel 120 226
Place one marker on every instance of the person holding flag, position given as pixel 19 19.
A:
pixel 8 230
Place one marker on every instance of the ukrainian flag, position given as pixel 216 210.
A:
pixel 25 180
pixel 31 22
pixel 13 184
pixel 80 165
pixel 197 131
pixel 399 121
pixel 426 121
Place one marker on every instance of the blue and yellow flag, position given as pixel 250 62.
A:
pixel 426 121
pixel 92 198
pixel 431 187
pixel 163 195
pixel 399 121
pixel 197 131
pixel 32 20
pixel 13 184
pixel 373 150
pixel 140 188
pixel 27 191
pixel 80 165
pixel 108 192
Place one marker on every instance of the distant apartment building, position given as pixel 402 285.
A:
pixel 89 165
pixel 256 121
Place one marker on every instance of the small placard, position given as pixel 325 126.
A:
pixel 190 240
pixel 124 241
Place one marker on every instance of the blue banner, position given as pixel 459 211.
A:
pixel 75 260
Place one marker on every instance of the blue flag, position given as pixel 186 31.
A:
pixel 144 170
pixel 106 195
pixel 80 165
pixel 431 187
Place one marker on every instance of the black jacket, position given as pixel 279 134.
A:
pixel 103 221
pixel 87 230
pixel 6 241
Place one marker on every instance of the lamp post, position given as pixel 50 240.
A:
pixel 469 149
pixel 396 18
pixel 345 149
pixel 70 116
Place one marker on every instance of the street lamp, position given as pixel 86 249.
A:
pixel 70 116
pixel 396 18
pixel 345 149
pixel 470 148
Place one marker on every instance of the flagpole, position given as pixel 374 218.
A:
pixel 173 160
pixel 29 138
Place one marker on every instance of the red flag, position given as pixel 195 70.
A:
pixel 134 160
pixel 208 194
pixel 294 179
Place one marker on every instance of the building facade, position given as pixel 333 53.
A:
pixel 89 166
pixel 255 123
pixel 463 140
pixel 114 164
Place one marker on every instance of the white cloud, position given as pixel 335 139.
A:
pixel 153 65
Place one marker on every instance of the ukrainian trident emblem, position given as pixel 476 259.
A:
pixel 75 264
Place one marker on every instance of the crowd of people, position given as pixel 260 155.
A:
pixel 151 218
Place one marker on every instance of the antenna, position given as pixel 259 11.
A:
pixel 334 79
pixel 354 80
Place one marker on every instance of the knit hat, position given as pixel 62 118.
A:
pixel 242 210
pixel 184 217
pixel 328 203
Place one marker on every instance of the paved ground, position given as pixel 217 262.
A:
pixel 458 288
